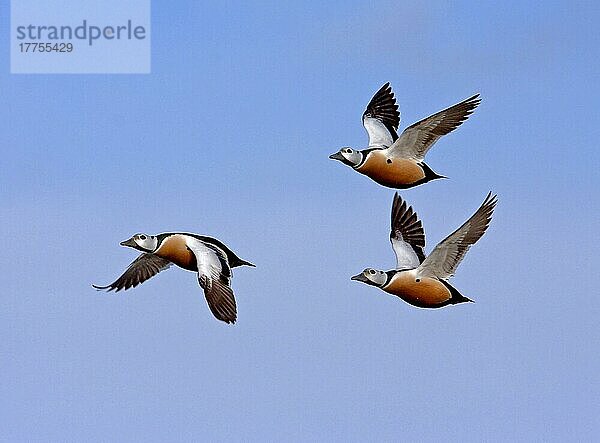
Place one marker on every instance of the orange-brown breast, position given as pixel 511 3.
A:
pixel 428 292
pixel 174 249
pixel 391 172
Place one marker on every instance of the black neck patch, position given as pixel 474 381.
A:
pixel 390 275
pixel 365 153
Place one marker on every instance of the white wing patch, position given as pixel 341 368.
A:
pixel 406 258
pixel 406 235
pixel 213 275
pixel 379 136
pixel 207 260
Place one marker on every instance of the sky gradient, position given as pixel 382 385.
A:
pixel 229 137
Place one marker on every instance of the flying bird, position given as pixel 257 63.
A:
pixel 423 281
pixel 398 161
pixel 206 256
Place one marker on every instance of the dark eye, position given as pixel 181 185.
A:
pixel 142 237
pixel 348 151
pixel 371 271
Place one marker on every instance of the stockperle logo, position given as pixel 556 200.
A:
pixel 80 36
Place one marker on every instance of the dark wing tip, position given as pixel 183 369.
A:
pixel 481 219
pixel 384 108
pixel 490 202
pixel 220 299
pixel 456 115
pixel 397 205
pixel 471 102
pixel 492 197
pixel 405 223
pixel 102 288
pixel 468 106
pixel 141 269
pixel 385 89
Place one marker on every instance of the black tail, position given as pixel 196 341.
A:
pixel 240 262
pixel 429 174
pixel 457 297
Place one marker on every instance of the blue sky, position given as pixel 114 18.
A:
pixel 229 136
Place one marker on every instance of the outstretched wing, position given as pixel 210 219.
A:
pixel 447 255
pixel 214 274
pixel 381 118
pixel 417 139
pixel 141 269
pixel 407 235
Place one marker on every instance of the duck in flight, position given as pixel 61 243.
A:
pixel 423 281
pixel 398 161
pixel 206 256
